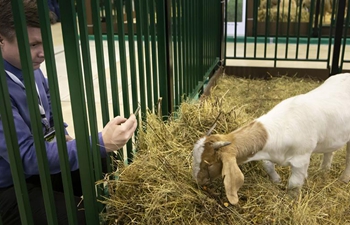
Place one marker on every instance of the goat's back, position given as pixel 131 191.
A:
pixel 317 121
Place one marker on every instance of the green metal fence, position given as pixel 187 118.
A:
pixel 281 33
pixel 166 49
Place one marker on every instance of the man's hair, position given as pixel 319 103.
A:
pixel 7 25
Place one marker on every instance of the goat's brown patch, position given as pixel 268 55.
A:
pixel 248 140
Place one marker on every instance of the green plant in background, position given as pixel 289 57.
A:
pixel 231 5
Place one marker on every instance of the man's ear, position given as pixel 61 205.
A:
pixel 233 177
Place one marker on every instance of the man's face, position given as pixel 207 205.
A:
pixel 11 54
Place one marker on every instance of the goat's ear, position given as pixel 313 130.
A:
pixel 219 144
pixel 233 177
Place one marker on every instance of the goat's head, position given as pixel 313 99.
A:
pixel 212 156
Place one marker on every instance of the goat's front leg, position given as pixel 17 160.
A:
pixel 327 161
pixel 345 177
pixel 299 169
pixel 270 169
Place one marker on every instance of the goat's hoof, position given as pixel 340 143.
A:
pixel 276 180
pixel 294 193
pixel 344 178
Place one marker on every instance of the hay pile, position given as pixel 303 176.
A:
pixel 157 188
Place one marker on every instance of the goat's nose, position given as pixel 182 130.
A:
pixel 204 181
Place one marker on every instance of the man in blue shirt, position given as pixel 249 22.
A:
pixel 113 136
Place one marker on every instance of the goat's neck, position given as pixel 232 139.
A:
pixel 248 140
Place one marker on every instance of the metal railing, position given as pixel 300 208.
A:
pixel 285 32
pixel 156 49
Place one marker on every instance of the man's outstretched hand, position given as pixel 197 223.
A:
pixel 118 131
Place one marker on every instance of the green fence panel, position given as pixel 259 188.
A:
pixel 177 48
pixel 28 74
pixel 13 150
pixel 90 96
pixel 76 88
pixel 285 33
pixel 56 107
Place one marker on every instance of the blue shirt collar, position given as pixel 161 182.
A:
pixel 13 70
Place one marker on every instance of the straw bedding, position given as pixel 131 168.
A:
pixel 158 188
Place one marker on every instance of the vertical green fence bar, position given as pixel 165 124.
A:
pixel 146 35
pixel 112 57
pixel 199 39
pixel 192 44
pixel 140 56
pixel 133 73
pixel 73 64
pixel 344 38
pixel 32 97
pixel 181 47
pixel 175 51
pixel 13 150
pixel 110 19
pixel 122 53
pixel 288 26
pixel 101 71
pixel 90 96
pixel 153 32
pixel 123 68
pixel 311 19
pixel 187 47
pixel 57 109
pixel 330 34
pixel 196 42
pixel 298 31
pixel 162 54
pixel 276 35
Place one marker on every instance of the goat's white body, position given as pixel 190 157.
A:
pixel 315 122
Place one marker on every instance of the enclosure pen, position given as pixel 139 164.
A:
pixel 111 57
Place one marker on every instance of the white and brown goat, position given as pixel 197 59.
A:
pixel 315 122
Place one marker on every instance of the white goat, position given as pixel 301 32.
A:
pixel 315 122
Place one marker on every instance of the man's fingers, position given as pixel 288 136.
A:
pixel 118 120
pixel 130 123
